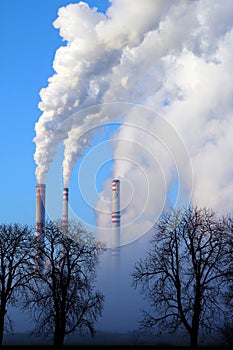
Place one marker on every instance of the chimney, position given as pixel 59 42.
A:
pixel 65 209
pixel 116 217
pixel 40 222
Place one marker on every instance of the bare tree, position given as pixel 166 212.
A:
pixel 62 298
pixel 227 328
pixel 14 253
pixel 182 272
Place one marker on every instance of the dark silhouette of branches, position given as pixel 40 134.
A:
pixel 15 246
pixel 183 270
pixel 62 297
pixel 227 328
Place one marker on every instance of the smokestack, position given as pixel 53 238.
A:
pixel 65 209
pixel 116 217
pixel 40 222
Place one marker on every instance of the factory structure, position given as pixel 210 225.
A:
pixel 40 218
pixel 40 222
pixel 65 209
pixel 116 217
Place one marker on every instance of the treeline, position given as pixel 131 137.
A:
pixel 186 276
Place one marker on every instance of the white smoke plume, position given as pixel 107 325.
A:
pixel 172 57
pixel 95 43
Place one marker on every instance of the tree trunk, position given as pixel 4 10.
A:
pixel 59 336
pixel 2 321
pixel 196 315
pixel 58 340
pixel 193 338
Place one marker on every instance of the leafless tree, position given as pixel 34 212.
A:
pixel 182 272
pixel 15 245
pixel 227 328
pixel 62 297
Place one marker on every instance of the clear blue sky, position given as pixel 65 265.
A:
pixel 28 44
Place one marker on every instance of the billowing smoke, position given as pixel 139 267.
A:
pixel 174 58
pixel 95 44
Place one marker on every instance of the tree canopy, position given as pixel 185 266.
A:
pixel 15 247
pixel 62 297
pixel 183 271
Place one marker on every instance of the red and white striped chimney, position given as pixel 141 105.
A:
pixel 40 222
pixel 65 208
pixel 116 217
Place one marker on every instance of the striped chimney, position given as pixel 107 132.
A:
pixel 116 216
pixel 65 208
pixel 40 222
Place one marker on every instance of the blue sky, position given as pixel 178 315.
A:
pixel 28 44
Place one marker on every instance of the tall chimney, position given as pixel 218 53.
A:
pixel 116 217
pixel 40 222
pixel 65 209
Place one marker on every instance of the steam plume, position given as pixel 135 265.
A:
pixel 174 58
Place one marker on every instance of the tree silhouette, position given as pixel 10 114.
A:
pixel 182 272
pixel 62 297
pixel 15 245
pixel 227 328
